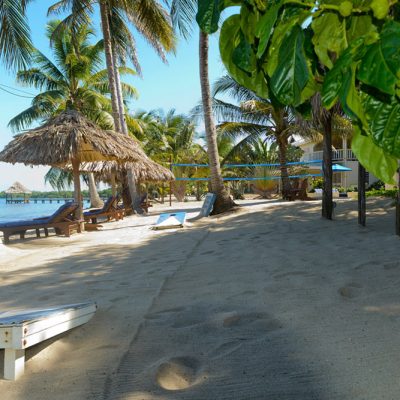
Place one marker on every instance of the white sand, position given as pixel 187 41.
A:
pixel 268 302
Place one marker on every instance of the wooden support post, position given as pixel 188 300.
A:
pixel 362 205
pixel 170 184
pixel 77 192
pixel 327 198
pixel 14 363
pixel 398 203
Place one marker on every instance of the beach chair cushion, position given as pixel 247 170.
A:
pixel 106 207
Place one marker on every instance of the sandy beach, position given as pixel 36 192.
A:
pixel 267 302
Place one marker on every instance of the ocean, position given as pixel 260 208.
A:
pixel 15 212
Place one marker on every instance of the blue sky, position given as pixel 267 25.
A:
pixel 175 85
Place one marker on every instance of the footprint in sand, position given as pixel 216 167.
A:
pixel 164 313
pixel 177 373
pixel 261 321
pixel 391 265
pixel 350 291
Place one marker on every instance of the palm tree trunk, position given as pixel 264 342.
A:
pixel 131 179
pixel 95 201
pixel 105 24
pixel 113 75
pixel 223 201
pixel 327 201
pixel 282 147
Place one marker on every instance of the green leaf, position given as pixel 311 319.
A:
pixel 248 21
pixel 292 74
pixel 230 38
pixel 334 79
pixel 381 63
pixel 284 26
pixel 243 56
pixel 329 37
pixel 208 14
pixel 264 27
pixel 384 123
pixel 359 25
pixel 373 158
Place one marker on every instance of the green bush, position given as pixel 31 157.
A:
pixel 378 185
pixel 382 192
pixel 317 183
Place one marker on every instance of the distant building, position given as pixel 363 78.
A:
pixel 341 154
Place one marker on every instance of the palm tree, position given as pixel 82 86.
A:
pixel 149 19
pixel 15 42
pixel 74 80
pixel 252 119
pixel 183 16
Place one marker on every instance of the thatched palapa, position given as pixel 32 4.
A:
pixel 144 170
pixel 17 188
pixel 70 138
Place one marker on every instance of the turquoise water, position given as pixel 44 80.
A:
pixel 15 212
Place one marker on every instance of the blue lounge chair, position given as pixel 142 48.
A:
pixel 62 221
pixel 109 211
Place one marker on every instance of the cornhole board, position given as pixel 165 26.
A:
pixel 22 329
pixel 170 220
pixel 208 205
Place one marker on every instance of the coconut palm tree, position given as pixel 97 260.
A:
pixel 15 42
pixel 252 119
pixel 150 20
pixel 183 16
pixel 74 80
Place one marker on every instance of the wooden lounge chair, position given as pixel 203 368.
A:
pixel 109 211
pixel 63 222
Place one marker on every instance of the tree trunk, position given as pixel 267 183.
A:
pixel 223 201
pixel 398 203
pixel 327 200
pixel 131 179
pixel 362 206
pixel 95 200
pixel 116 97
pixel 105 24
pixel 77 191
pixel 282 146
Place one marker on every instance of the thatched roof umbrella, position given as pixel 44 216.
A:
pixel 70 138
pixel 144 170
pixel 17 188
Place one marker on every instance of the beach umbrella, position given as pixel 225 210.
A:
pixel 70 138
pixel 340 168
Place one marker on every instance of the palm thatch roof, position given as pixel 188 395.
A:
pixel 144 170
pixel 17 188
pixel 70 136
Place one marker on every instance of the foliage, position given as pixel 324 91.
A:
pixel 74 80
pixel 349 52
pixel 148 17
pixel 378 185
pixel 15 41
pixel 392 193
pixel 317 183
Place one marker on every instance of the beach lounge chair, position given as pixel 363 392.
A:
pixel 63 222
pixel 23 329
pixel 109 211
